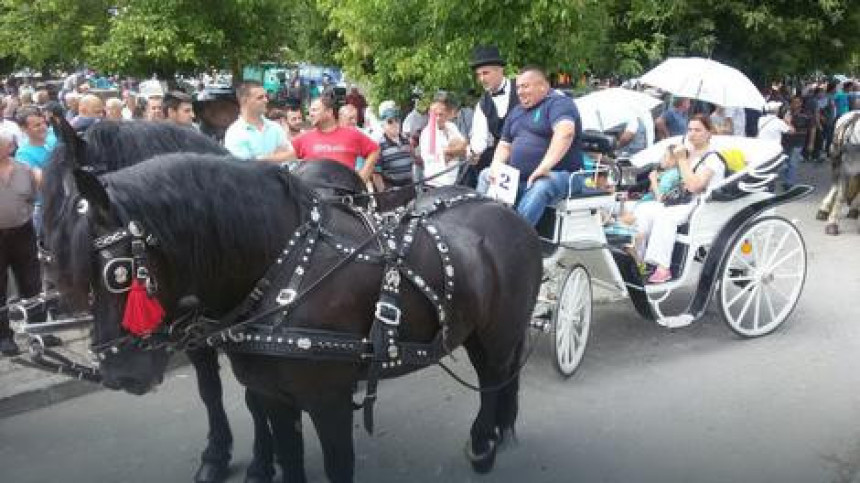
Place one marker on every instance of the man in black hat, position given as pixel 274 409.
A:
pixel 497 101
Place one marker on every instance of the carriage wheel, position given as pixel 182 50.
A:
pixel 763 276
pixel 572 320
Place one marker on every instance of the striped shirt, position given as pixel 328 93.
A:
pixel 395 160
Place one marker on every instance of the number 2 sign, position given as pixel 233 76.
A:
pixel 504 186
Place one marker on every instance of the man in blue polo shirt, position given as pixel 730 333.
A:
pixel 541 139
pixel 252 136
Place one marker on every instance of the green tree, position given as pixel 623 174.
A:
pixel 395 45
pixel 44 34
pixel 765 39
pixel 167 36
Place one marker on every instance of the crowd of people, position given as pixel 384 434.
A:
pixel 520 122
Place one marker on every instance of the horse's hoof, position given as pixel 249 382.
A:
pixel 822 215
pixel 831 229
pixel 211 472
pixel 853 214
pixel 481 463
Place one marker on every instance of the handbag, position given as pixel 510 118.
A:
pixel 677 196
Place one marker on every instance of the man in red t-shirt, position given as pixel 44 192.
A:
pixel 328 140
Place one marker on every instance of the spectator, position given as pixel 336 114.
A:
pixel 800 123
pixel 90 111
pixel 395 154
pixel 354 98
pixel 341 144
pixel 130 105
pixel 35 151
pixel 178 108
pixel 71 99
pixel 18 189
pixel 673 121
pixel 113 109
pixel 442 145
pixel 252 136
pixel 721 121
pixel 154 108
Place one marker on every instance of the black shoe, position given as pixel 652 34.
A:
pixel 9 348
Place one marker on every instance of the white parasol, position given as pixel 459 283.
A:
pixel 607 108
pixel 706 80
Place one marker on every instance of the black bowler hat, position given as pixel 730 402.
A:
pixel 486 55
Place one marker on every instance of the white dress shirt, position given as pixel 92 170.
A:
pixel 481 138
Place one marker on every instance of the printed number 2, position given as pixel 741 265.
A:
pixel 505 181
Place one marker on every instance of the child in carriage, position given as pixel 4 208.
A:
pixel 663 179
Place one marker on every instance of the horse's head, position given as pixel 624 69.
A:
pixel 114 259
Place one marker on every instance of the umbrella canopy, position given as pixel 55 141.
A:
pixel 607 108
pixel 756 151
pixel 706 80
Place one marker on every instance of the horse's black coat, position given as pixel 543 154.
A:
pixel 220 225
pixel 110 146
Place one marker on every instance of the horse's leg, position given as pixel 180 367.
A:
pixel 832 226
pixel 286 424
pixel 262 468
pixel 508 399
pixel 481 449
pixel 332 418
pixel 215 459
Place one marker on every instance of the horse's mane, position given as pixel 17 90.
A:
pixel 109 146
pixel 213 216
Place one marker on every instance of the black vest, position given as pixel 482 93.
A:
pixel 494 122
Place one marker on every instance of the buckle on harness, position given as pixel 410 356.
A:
pixel 388 313
pixel 286 296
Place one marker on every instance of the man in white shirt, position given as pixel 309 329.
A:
pixel 498 99
pixel 442 145
pixel 771 127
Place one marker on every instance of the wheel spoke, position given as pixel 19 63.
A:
pixel 778 248
pixel 782 260
pixel 757 308
pixel 769 304
pixel 740 294
pixel 740 258
pixel 747 304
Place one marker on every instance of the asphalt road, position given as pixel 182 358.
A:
pixel 648 405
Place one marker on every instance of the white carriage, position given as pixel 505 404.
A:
pixel 735 250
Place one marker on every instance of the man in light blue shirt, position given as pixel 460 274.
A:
pixel 35 152
pixel 252 136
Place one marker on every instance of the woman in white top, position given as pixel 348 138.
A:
pixel 701 171
pixel 442 145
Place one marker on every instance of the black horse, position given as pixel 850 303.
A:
pixel 215 228
pixel 111 146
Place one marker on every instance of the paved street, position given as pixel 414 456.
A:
pixel 648 405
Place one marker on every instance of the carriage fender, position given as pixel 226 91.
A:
pixel 717 255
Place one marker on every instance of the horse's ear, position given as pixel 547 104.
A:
pixel 76 146
pixel 92 190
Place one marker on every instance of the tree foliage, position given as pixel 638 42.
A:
pixel 44 34
pixel 180 35
pixel 397 45
pixel 765 39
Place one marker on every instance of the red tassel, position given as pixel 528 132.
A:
pixel 142 313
